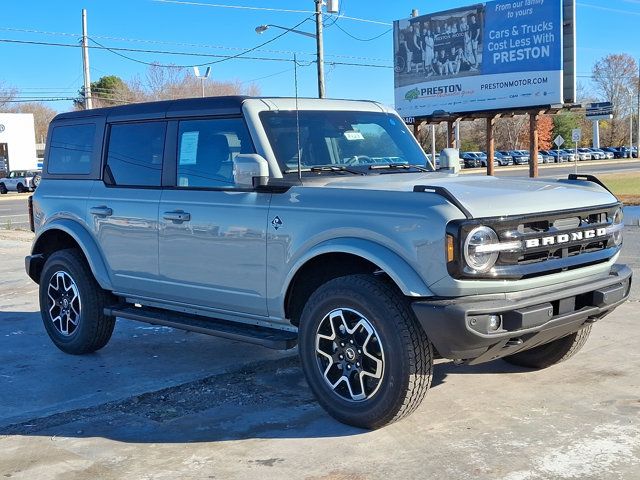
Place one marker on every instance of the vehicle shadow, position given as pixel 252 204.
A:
pixel 446 368
pixel 263 396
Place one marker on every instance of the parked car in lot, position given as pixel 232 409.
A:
pixel 520 157
pixel 571 154
pixel 372 265
pixel 584 154
pixel 558 156
pixel 473 159
pixel 616 152
pixel 598 154
pixel 20 181
pixel 502 159
pixel 607 155
pixel 545 157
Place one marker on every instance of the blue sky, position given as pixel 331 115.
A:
pixel 603 27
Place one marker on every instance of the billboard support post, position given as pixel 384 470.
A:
pixel 433 143
pixel 533 144
pixel 451 134
pixel 491 121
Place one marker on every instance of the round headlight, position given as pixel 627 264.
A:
pixel 479 261
pixel 618 218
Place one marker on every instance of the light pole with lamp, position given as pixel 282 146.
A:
pixel 202 78
pixel 332 7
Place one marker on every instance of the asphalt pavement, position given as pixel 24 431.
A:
pixel 562 170
pixel 13 211
pixel 162 404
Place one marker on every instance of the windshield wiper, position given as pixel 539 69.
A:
pixel 326 168
pixel 405 166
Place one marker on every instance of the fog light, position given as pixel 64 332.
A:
pixel 485 324
pixel 494 322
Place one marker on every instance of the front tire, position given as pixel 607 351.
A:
pixel 3 189
pixel 72 304
pixel 364 355
pixel 551 353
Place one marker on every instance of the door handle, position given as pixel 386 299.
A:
pixel 101 211
pixel 177 216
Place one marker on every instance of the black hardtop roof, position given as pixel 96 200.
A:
pixel 225 105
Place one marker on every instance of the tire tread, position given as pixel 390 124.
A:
pixel 419 349
pixel 98 326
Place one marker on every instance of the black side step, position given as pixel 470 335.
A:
pixel 265 336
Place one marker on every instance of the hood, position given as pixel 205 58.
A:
pixel 484 196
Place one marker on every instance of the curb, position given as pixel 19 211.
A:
pixel 542 166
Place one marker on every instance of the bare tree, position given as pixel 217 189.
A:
pixel 615 81
pixel 42 116
pixel 166 83
pixel 7 94
pixel 512 133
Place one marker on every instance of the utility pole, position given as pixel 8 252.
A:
pixel 88 103
pixel 320 48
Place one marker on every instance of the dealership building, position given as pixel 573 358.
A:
pixel 17 142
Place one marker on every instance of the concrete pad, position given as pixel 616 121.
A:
pixel 38 379
pixel 632 216
pixel 576 420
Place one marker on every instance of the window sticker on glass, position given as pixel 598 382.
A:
pixel 189 148
pixel 353 135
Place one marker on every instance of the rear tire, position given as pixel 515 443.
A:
pixel 365 357
pixel 72 304
pixel 551 353
pixel 20 188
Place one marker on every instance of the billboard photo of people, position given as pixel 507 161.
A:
pixel 438 46
pixel 494 55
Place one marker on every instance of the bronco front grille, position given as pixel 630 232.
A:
pixel 552 242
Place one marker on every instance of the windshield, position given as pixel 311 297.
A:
pixel 340 139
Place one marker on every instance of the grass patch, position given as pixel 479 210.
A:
pixel 626 186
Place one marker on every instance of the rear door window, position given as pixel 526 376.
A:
pixel 135 153
pixel 71 149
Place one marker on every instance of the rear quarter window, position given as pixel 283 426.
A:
pixel 71 149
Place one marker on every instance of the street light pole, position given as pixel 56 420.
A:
pixel 202 77
pixel 320 48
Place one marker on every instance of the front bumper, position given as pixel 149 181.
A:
pixel 458 327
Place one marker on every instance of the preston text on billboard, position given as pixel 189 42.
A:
pixel 496 55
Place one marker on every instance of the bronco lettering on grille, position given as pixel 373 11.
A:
pixel 566 238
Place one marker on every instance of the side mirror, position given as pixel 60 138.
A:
pixel 450 160
pixel 250 170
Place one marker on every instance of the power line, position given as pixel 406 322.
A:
pixel 266 9
pixel 192 54
pixel 237 7
pixel 181 44
pixel 231 57
pixel 363 39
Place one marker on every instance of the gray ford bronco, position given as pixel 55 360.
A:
pixel 316 223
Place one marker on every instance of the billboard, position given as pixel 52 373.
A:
pixel 494 55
